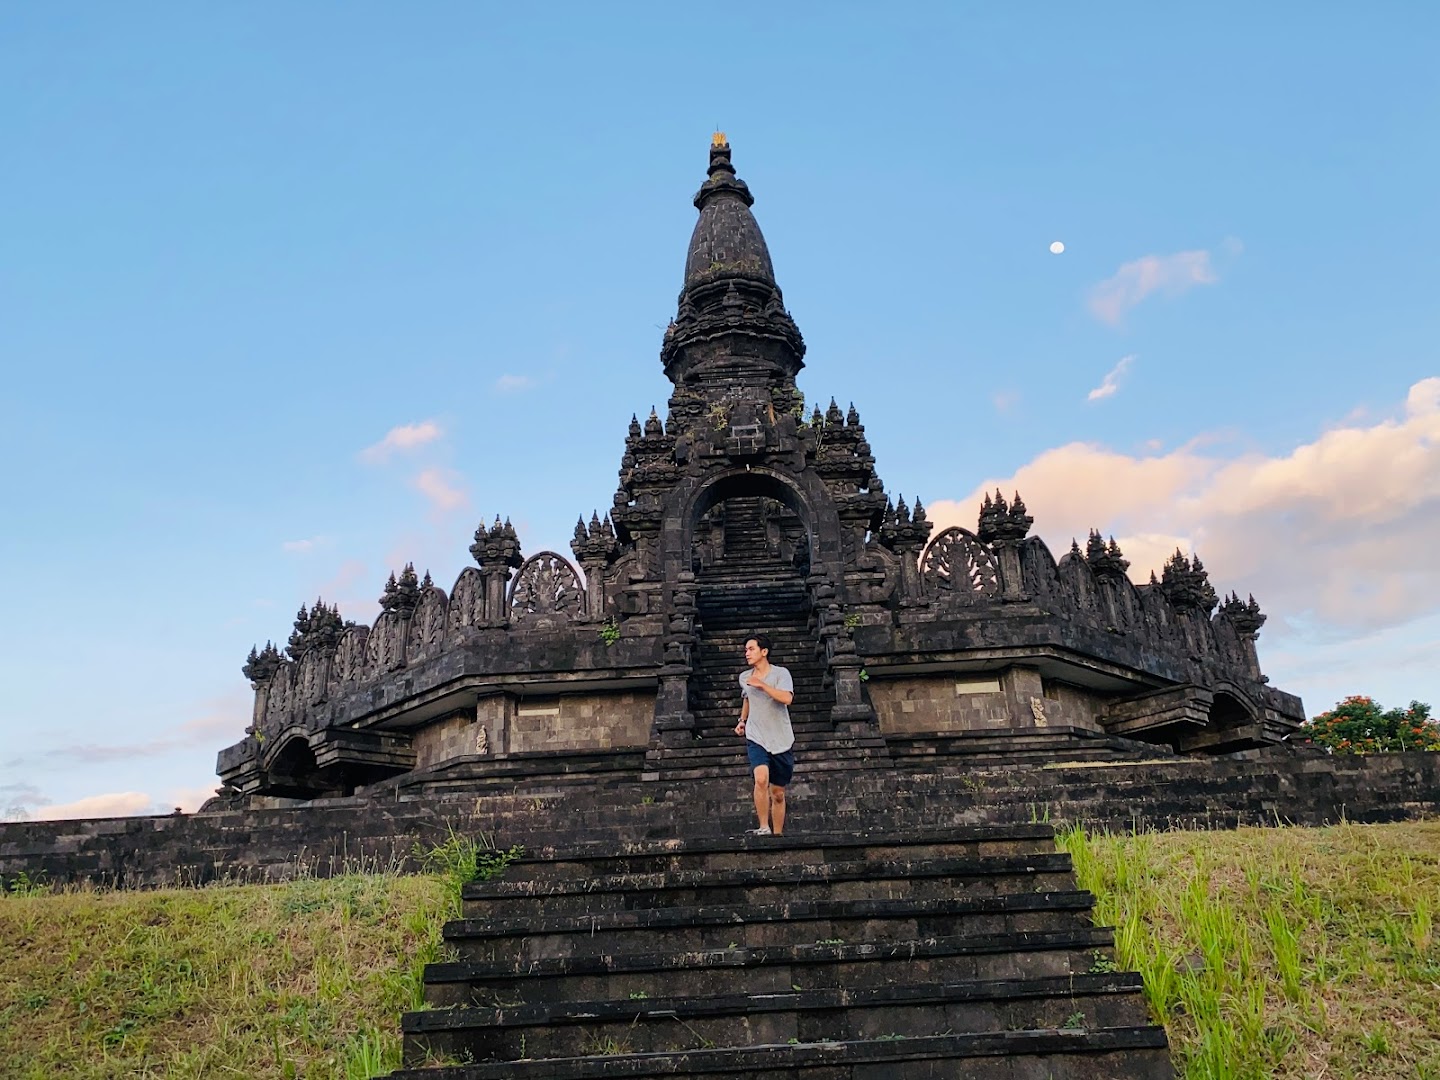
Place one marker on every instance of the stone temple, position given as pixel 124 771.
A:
pixel 742 510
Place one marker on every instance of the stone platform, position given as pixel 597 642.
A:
pixel 539 810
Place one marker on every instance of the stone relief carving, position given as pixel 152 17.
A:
pixel 427 625
pixel 547 587
pixel 279 705
pixel 349 668
pixel 312 678
pixel 482 741
pixel 467 602
pixel 386 644
pixel 959 568
pixel 1078 587
pixel 1038 569
pixel 873 575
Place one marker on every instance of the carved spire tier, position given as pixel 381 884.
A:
pixel 731 329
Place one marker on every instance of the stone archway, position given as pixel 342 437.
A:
pixel 751 540
pixel 804 495
pixel 291 769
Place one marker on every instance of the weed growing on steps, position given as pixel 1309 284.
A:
pixel 461 859
pixel 304 979
pixel 605 1046
pixel 1280 952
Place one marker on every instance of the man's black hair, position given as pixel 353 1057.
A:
pixel 762 641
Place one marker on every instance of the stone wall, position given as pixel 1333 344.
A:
pixel 518 725
pixel 1072 706
pixel 582 722
pixel 1014 699
pixel 328 836
pixel 936 703
pixel 450 737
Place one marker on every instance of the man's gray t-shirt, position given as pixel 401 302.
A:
pixel 768 724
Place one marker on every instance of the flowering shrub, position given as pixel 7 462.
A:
pixel 1358 726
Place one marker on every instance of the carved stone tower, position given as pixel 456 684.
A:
pixel 739 498
pixel 739 513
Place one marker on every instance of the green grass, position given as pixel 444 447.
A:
pixel 1283 953
pixel 302 980
pixel 1267 952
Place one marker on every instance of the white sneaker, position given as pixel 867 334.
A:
pixel 763 830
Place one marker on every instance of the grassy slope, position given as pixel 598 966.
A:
pixel 1267 952
pixel 1281 952
pixel 300 980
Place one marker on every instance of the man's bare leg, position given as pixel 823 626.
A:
pixel 762 795
pixel 777 809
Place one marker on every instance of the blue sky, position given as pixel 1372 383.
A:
pixel 241 245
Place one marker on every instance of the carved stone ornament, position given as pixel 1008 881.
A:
pixel 482 741
pixel 350 667
pixel 467 603
pixel 958 567
pixel 427 626
pixel 547 587
pixel 1037 710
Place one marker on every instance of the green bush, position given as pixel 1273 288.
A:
pixel 1359 726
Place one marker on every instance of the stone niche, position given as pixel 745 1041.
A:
pixel 502 724
pixel 921 704
pixel 1072 706
pixel 451 737
pixel 1015 698
pixel 596 721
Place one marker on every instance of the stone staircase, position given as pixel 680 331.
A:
pixel 750 589
pixel 960 952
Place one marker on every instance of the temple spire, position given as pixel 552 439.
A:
pixel 731 327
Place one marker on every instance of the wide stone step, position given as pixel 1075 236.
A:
pixel 677 1024
pixel 724 742
pixel 721 926
pixel 685 774
pixel 1070 1053
pixel 772 970
pixel 753 572
pixel 751 885
pixel 720 723
pixel 598 858
pixel 678 767
pixel 771 617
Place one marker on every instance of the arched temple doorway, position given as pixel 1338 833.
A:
pixel 751 547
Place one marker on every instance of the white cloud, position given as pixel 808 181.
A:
pixel 440 488
pixel 304 547
pixel 1005 400
pixel 17 799
pixel 513 384
pixel 221 721
pixel 1134 281
pixel 190 799
pixel 1111 382
pixel 29 804
pixel 113 804
pixel 404 437
pixel 1337 533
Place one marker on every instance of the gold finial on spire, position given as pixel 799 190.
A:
pixel 718 139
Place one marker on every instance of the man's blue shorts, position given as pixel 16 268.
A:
pixel 782 766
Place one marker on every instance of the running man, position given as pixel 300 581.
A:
pixel 767 691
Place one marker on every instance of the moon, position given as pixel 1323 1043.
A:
pixel 1056 248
